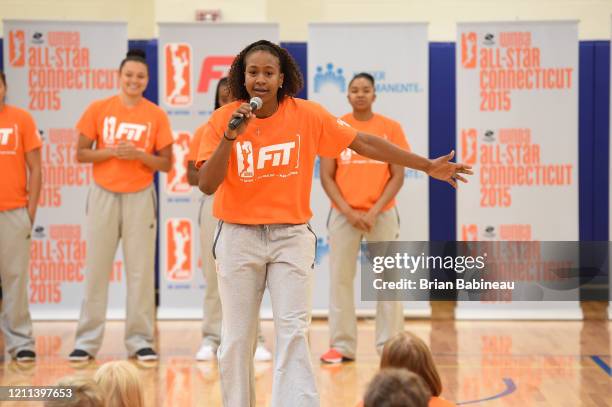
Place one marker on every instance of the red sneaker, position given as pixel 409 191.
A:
pixel 332 356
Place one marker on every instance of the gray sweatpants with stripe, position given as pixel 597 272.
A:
pixel 211 322
pixel 15 230
pixel 131 217
pixel 249 258
pixel 344 245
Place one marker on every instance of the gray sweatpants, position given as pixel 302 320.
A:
pixel 344 245
pixel 248 259
pixel 211 322
pixel 132 218
pixel 15 229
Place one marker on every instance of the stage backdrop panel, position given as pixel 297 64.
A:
pixel 55 69
pixel 397 55
pixel 517 124
pixel 192 58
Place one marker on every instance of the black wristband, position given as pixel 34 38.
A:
pixel 227 138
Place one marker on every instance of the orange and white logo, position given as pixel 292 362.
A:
pixel 8 140
pixel 469 49
pixel 469 232
pixel 244 152
pixel 136 133
pixel 213 68
pixel 179 252
pixel 178 74
pixel 176 181
pixel 17 48
pixel 280 159
pixel 469 146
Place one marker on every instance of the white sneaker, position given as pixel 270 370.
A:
pixel 206 352
pixel 262 354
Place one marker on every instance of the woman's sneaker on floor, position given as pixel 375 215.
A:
pixel 146 354
pixel 25 356
pixel 332 356
pixel 79 355
pixel 206 352
pixel 262 354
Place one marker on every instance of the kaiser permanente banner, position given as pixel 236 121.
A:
pixel 397 56
pixel 55 70
pixel 192 59
pixel 517 124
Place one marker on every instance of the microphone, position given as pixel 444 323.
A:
pixel 255 103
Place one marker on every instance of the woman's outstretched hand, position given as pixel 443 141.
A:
pixel 443 169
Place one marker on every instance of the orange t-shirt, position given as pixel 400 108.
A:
pixel 361 180
pixel 433 402
pixel 440 402
pixel 269 176
pixel 18 136
pixel 194 146
pixel 108 122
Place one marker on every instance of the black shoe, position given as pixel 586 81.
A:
pixel 146 354
pixel 79 355
pixel 25 356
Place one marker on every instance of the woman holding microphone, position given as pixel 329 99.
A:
pixel 260 165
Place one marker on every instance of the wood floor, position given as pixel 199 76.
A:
pixel 524 363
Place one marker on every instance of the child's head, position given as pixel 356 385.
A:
pixel 265 70
pixel 406 350
pixel 396 388
pixel 84 393
pixel 120 384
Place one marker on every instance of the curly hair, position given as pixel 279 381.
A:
pixel 292 82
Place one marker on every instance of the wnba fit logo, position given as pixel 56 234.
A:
pixel 178 250
pixel 129 131
pixel 17 48
pixel 469 146
pixel 468 50
pixel 271 160
pixel 176 181
pixel 8 142
pixel 178 74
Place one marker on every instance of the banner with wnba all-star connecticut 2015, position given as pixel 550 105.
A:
pixel 192 59
pixel 397 56
pixel 55 69
pixel 517 125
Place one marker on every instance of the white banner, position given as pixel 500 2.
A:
pixel 517 124
pixel 192 59
pixel 397 56
pixel 54 70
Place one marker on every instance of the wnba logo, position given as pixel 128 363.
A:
pixel 178 260
pixel 176 181
pixel 468 50
pixel 17 48
pixel 469 146
pixel 178 74
pixel 346 154
pixel 8 141
pixel 244 153
pixel 469 232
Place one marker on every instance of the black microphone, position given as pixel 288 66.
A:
pixel 255 103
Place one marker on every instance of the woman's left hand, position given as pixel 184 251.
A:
pixel 443 169
pixel 127 151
